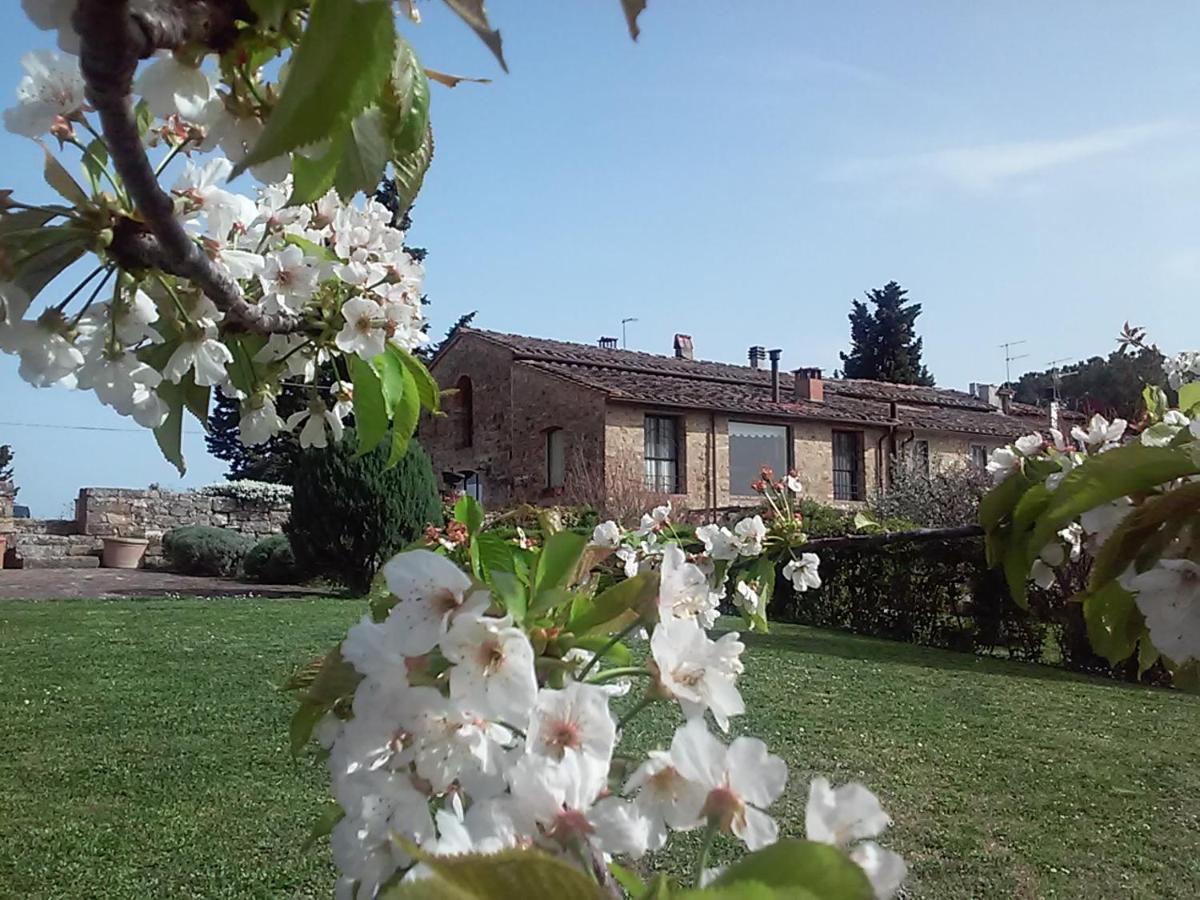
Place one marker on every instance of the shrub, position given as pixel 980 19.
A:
pixel 271 561
pixel 946 498
pixel 250 491
pixel 205 550
pixel 350 514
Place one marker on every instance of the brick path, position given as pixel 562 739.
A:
pixel 48 584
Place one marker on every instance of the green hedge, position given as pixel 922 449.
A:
pixel 938 591
pixel 205 550
pixel 271 561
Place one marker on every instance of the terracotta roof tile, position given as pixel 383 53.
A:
pixel 647 378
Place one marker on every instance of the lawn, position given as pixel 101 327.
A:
pixel 144 755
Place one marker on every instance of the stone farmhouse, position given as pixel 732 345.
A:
pixel 545 421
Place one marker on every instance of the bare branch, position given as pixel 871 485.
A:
pixel 114 36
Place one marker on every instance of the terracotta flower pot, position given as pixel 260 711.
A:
pixel 123 553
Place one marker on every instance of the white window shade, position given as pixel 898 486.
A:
pixel 751 448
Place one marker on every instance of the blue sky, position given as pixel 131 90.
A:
pixel 1026 170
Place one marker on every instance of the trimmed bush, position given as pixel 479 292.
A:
pixel 271 561
pixel 349 515
pixel 205 550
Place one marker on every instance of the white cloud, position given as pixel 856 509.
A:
pixel 987 166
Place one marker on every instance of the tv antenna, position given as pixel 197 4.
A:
pixel 1056 376
pixel 1010 358
pixel 624 322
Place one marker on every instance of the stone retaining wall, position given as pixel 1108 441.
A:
pixel 121 512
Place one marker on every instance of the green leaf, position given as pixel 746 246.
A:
pixel 425 889
pixel 473 13
pixel 511 593
pixel 1189 396
pixel 195 398
pixel 59 249
pixel 408 172
pixel 495 553
pixel 405 415
pixel 557 561
pixel 60 179
pixel 1113 622
pixel 468 511
pixel 427 388
pixel 633 9
pixel 95 158
pixel 410 101
pixel 310 249
pixel 1155 399
pixel 365 153
pixel 1148 655
pixel 746 890
pixel 617 654
pixel 313 176
pixel 339 68
pixel 370 410
pixel 824 871
pixel 628 879
pixel 169 434
pixel 527 874
pixel 242 371
pixel 24 220
pixel 1131 469
pixel 301 726
pixel 616 607
pixel 329 816
pixel 1130 537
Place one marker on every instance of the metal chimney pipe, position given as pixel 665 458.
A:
pixel 774 355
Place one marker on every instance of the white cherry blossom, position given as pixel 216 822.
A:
pixel 316 418
pixel 493 667
pixel 220 208
pixel 574 719
pixel 1002 462
pixel 52 87
pixel 607 535
pixel 364 332
pixel 259 422
pixel 683 591
pixel 698 672
pixel 431 592
pixel 202 353
pixel 288 280
pixel 846 817
pixel 54 15
pixel 655 520
pixel 719 542
pixel 1168 595
pixel 171 87
pixel 665 797
pixel 803 572
pixel 1100 434
pixel 740 781
pixel 750 533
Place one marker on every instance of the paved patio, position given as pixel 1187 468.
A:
pixel 53 584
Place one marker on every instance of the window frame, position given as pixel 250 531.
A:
pixel 555 440
pixel 788 456
pixel 652 481
pixel 857 476
pixel 981 461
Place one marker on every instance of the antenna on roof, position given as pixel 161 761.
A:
pixel 1056 376
pixel 1010 358
pixel 624 322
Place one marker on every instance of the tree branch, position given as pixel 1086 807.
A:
pixel 114 35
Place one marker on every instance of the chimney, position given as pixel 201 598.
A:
pixel 757 355
pixel 987 393
pixel 1005 394
pixel 683 346
pixel 774 354
pixel 809 385
pixel 608 343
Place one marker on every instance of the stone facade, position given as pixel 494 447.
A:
pixel 508 393
pixel 7 497
pixel 122 512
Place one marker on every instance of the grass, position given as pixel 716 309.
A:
pixel 144 754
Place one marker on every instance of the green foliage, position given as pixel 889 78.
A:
pixel 529 874
pixel 271 561
pixel 351 512
pixel 205 550
pixel 824 871
pixel 1109 385
pixel 338 69
pixel 948 497
pixel 883 342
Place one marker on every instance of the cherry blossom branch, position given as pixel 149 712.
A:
pixel 114 35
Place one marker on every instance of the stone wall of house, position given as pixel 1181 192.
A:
pixel 7 497
pixel 122 512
